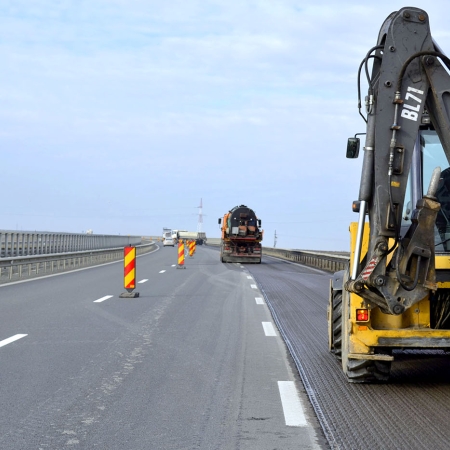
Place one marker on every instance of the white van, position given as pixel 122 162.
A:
pixel 168 242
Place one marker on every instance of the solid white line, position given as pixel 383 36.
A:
pixel 103 298
pixel 292 407
pixel 259 301
pixel 12 339
pixel 161 271
pixel 253 286
pixel 143 281
pixel 269 329
pixel 249 277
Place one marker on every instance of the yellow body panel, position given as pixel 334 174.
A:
pixel 410 329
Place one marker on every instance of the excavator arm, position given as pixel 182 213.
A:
pixel 408 89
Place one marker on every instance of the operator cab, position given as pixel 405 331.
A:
pixel 429 154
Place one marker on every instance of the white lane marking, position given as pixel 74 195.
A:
pixel 259 301
pixel 143 281
pixel 12 339
pixel 173 265
pixel 249 277
pixel 242 267
pixel 269 329
pixel 253 286
pixel 294 415
pixel 161 271
pixel 103 298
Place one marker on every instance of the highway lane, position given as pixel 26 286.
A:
pixel 191 363
pixel 410 412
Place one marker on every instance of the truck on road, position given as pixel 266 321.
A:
pixel 198 236
pixel 241 236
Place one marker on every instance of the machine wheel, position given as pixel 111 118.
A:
pixel 368 370
pixel 337 325
pixel 356 370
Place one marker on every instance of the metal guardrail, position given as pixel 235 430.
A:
pixel 24 243
pixel 17 268
pixel 324 261
pixel 329 261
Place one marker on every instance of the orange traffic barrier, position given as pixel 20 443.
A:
pixel 191 248
pixel 180 254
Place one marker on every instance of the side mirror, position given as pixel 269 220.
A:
pixel 219 221
pixel 352 147
pixel 259 222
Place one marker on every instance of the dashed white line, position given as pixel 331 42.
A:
pixel 103 298
pixel 269 330
pixel 253 286
pixel 161 271
pixel 249 277
pixel 173 265
pixel 259 301
pixel 143 281
pixel 12 339
pixel 294 415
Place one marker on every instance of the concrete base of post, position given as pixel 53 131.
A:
pixel 181 267
pixel 129 295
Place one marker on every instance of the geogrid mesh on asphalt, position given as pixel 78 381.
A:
pixel 411 412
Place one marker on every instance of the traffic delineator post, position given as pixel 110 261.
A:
pixel 180 264
pixel 129 272
pixel 191 248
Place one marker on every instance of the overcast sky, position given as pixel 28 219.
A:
pixel 120 115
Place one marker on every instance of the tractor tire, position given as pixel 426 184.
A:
pixel 337 325
pixel 368 371
pixel 357 370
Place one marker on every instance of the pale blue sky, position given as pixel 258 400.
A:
pixel 118 116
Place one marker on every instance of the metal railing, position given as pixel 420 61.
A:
pixel 331 262
pixel 17 268
pixel 24 243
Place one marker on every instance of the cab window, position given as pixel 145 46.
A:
pixel 433 156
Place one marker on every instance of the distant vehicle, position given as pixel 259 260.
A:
pixel 198 236
pixel 167 232
pixel 168 242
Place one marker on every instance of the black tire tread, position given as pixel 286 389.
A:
pixel 337 325
pixel 368 370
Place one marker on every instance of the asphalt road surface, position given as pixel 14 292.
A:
pixel 195 362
